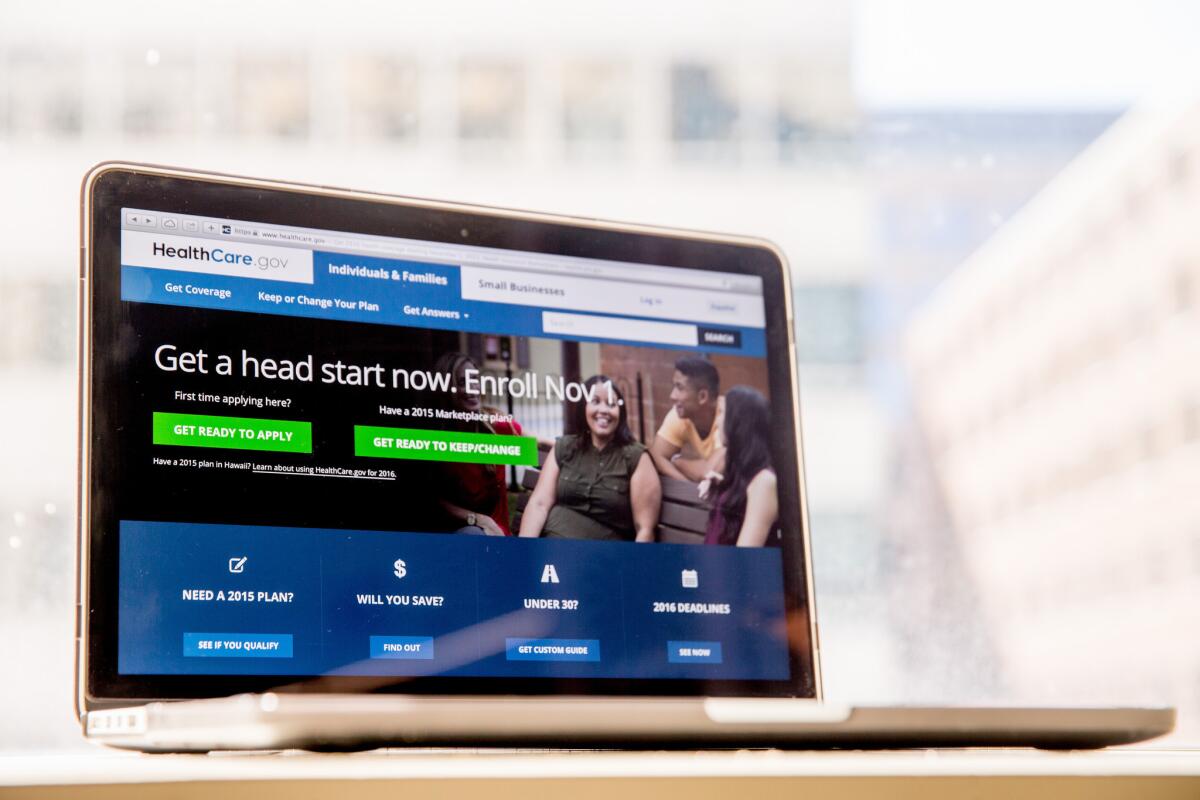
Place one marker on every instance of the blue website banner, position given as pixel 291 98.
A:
pixel 245 600
pixel 405 293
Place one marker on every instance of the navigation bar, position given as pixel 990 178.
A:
pixel 423 295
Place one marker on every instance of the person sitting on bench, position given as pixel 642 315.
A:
pixel 745 507
pixel 473 497
pixel 599 483
pixel 687 445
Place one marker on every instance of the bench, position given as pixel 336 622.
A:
pixel 684 516
pixel 682 519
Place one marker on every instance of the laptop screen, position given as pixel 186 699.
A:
pixel 397 457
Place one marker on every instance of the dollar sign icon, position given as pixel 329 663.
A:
pixel 399 568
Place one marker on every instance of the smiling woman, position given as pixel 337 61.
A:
pixel 599 483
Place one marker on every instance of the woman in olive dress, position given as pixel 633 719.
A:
pixel 599 483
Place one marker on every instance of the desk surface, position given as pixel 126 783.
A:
pixel 925 774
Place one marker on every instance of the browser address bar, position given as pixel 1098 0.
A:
pixel 284 236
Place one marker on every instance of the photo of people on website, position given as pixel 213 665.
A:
pixel 443 431
pixel 658 445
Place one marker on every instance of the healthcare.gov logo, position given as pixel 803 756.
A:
pixel 186 254
pixel 220 255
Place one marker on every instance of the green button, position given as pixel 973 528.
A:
pixel 233 433
pixel 424 445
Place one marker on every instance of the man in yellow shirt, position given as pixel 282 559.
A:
pixel 688 444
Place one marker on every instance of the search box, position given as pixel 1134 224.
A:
pixel 631 330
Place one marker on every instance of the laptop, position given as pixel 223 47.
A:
pixel 361 470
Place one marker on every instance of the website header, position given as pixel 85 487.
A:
pixel 433 252
pixel 319 281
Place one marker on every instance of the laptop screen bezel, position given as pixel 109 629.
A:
pixel 110 188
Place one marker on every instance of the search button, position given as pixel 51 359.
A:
pixel 720 337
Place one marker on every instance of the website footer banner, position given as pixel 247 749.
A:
pixel 245 600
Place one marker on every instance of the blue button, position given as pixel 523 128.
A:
pixel 402 647
pixel 552 649
pixel 237 645
pixel 694 652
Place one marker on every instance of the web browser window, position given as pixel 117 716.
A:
pixel 364 455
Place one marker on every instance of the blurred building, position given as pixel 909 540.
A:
pixel 1056 382
pixel 942 182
